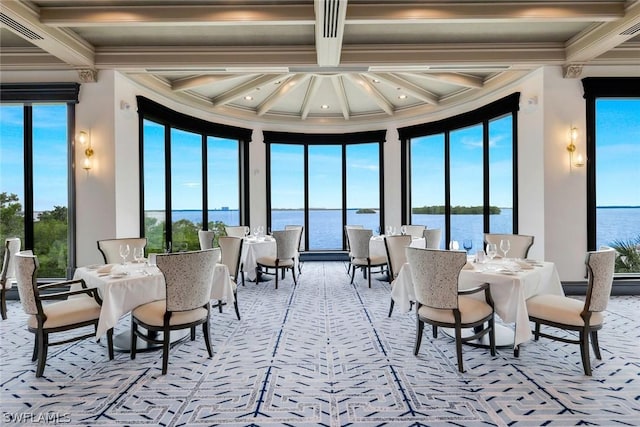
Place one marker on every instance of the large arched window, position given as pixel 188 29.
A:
pixel 460 173
pixel 193 177
pixel 324 182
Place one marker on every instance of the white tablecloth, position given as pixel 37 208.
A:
pixel 509 291
pixel 252 249
pixel 141 284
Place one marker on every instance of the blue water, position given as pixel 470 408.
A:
pixel 325 229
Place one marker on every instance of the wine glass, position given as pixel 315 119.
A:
pixel 124 253
pixel 403 230
pixel 255 230
pixel 261 230
pixel 505 245
pixel 247 231
pixel 389 230
pixel 492 250
pixel 467 244
pixel 454 245
pixel 138 254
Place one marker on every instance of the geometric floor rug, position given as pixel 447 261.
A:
pixel 323 353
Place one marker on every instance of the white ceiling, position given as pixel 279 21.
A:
pixel 282 61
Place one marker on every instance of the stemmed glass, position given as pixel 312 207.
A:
pixel 138 254
pixel 247 231
pixel 454 245
pixel 124 253
pixel 492 250
pixel 403 230
pixel 467 244
pixel 389 230
pixel 505 245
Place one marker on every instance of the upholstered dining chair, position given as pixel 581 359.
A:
pixel 8 275
pixel 570 314
pixel 440 303
pixel 432 238
pixel 360 257
pixel 346 235
pixel 300 230
pixel 231 248
pixel 236 230
pixel 414 230
pixel 110 248
pixel 82 310
pixel 396 257
pixel 205 237
pixel 187 277
pixel 286 251
pixel 519 243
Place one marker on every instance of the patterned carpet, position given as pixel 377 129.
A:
pixel 323 353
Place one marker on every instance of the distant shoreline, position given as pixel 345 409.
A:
pixel 353 209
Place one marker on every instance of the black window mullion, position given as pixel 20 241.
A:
pixel 268 184
pixel 514 173
pixel 447 188
pixel 344 194
pixel 205 186
pixel 306 194
pixel 167 179
pixel 381 185
pixel 71 185
pixel 28 178
pixel 486 219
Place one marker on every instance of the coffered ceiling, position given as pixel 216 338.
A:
pixel 323 61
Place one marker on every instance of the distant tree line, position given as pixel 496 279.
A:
pixel 456 210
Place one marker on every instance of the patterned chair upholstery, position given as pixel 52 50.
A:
pixel 231 248
pixel 110 248
pixel 520 243
pixel 8 276
pixel 44 319
pixel 236 230
pixel 287 242
pixel 205 237
pixel 396 257
pixel 586 317
pixel 414 230
pixel 432 238
pixel 440 303
pixel 360 258
pixel 187 277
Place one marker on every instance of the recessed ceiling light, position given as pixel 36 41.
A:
pixel 248 97
pixel 403 96
pixel 324 106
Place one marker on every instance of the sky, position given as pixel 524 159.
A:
pixel 618 124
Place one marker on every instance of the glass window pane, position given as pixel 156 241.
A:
pixel 501 175
pixel 363 189
pixel 154 187
pixel 186 190
pixel 467 185
pixel 287 185
pixel 617 176
pixel 223 184
pixel 427 182
pixel 11 173
pixel 325 197
pixel 50 178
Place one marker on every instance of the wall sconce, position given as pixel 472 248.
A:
pixel 571 148
pixel 85 140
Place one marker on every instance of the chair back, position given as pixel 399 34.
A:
pixel 396 255
pixel 286 243
pixel 346 233
pixel 206 238
pixel 359 241
pixel 432 237
pixel 519 243
pixel 236 230
pixel 26 275
pixel 11 248
pixel 414 230
pixel 300 229
pixel 231 248
pixel 110 248
pixel 600 267
pixel 435 276
pixel 188 277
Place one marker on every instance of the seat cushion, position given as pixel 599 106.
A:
pixel 271 262
pixel 152 314
pixel 68 312
pixel 559 309
pixel 375 260
pixel 471 310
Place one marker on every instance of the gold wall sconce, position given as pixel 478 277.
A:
pixel 571 148
pixel 85 140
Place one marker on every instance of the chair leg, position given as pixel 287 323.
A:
pixel 235 304
pixel 166 338
pixel 293 273
pixel 391 307
pixel 584 352
pixel 419 330
pixel 434 331
pixel 353 274
pixel 42 352
pixel 536 332
pixel 3 303
pixel 110 343
pixel 207 338
pixel 193 333
pixel 369 275
pixel 220 306
pixel 242 275
pixel 595 345
pixel 459 348
pixel 34 356
pixel 276 278
pixel 134 338
pixel 492 337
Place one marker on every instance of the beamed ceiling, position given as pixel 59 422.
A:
pixel 324 61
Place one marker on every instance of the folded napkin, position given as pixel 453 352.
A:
pixel 104 270
pixel 524 265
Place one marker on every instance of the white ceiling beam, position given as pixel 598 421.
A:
pixel 372 92
pixel 605 37
pixel 341 94
pixel 245 88
pixel 312 89
pixel 453 78
pixel 407 86
pixel 282 91
pixel 193 82
pixel 330 20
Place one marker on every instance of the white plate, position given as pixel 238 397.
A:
pixel 93 266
